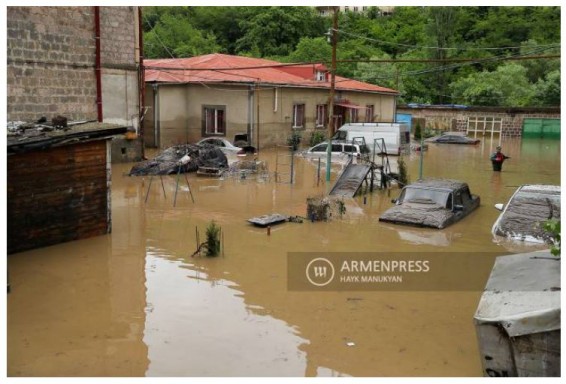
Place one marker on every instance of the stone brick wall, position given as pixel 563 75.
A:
pixel 454 119
pixel 117 34
pixel 51 56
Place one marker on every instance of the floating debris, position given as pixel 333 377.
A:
pixel 265 220
pixel 322 208
pixel 209 172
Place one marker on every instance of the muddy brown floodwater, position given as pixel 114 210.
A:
pixel 134 303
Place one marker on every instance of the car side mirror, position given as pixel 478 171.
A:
pixel 458 207
pixel 499 206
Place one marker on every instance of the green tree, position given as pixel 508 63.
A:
pixel 506 86
pixel 537 69
pixel 547 90
pixel 174 36
pixel 224 23
pixel 443 20
pixel 311 49
pixel 277 30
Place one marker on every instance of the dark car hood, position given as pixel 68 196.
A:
pixel 422 215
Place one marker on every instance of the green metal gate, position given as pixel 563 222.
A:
pixel 541 128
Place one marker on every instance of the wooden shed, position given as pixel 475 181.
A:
pixel 58 185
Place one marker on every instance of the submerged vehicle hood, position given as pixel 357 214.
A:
pixel 422 215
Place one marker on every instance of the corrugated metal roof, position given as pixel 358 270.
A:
pixel 42 136
pixel 220 68
pixel 522 294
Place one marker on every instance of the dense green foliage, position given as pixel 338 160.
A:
pixel 432 37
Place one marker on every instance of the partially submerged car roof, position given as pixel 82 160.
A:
pixel 449 184
pixel 436 214
pixel 525 212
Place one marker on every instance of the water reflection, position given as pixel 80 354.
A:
pixel 199 325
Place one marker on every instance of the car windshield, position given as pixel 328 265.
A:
pixel 425 196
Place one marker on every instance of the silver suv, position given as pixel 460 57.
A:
pixel 339 148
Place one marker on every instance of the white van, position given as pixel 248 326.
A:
pixel 396 136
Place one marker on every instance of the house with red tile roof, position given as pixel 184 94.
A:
pixel 223 95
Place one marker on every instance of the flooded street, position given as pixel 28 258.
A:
pixel 135 303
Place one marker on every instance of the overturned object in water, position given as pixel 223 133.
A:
pixel 265 220
pixel 181 158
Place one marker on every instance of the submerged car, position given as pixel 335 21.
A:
pixel 339 149
pixel 522 218
pixel 435 203
pixel 454 139
pixel 226 146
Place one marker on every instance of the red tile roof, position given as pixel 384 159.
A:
pixel 219 68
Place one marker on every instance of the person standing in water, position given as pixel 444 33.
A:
pixel 497 158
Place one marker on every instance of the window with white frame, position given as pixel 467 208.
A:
pixel 298 116
pixel 321 115
pixel 369 113
pixel 214 120
pixel 320 76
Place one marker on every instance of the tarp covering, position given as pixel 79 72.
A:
pixel 523 294
pixel 526 211
pixel 170 160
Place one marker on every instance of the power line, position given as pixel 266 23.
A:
pixel 152 27
pixel 279 65
pixel 440 48
pixel 525 56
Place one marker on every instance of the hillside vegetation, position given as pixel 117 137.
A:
pixel 439 55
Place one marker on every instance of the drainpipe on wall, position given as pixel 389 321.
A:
pixel 250 114
pixel 394 109
pixel 141 82
pixel 97 64
pixel 155 116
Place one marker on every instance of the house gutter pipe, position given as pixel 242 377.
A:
pixel 98 73
pixel 141 81
pixel 331 96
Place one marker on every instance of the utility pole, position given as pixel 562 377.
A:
pixel 334 42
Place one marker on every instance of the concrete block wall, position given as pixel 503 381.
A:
pixel 118 32
pixel 51 57
pixel 51 54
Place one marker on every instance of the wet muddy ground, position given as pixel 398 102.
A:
pixel 134 303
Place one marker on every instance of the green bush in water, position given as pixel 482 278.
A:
pixel 403 176
pixel 317 137
pixel 212 239
pixel 294 140
pixel 553 228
